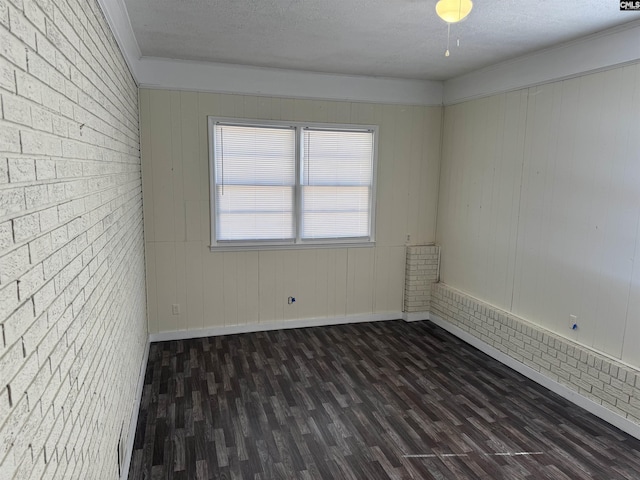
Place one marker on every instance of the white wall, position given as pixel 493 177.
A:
pixel 72 303
pixel 539 206
pixel 244 288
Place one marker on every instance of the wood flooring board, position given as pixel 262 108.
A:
pixel 370 401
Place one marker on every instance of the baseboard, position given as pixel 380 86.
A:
pixel 415 316
pixel 134 415
pixel 263 327
pixel 565 392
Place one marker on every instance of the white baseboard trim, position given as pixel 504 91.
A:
pixel 565 392
pixel 263 327
pixel 415 316
pixel 124 474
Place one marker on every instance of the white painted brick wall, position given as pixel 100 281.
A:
pixel 605 381
pixel 72 306
pixel 421 271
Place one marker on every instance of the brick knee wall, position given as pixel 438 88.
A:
pixel 612 384
pixel 72 287
pixel 420 272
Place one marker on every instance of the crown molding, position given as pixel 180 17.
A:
pixel 607 49
pixel 117 17
pixel 603 50
pixel 239 79
pixel 242 79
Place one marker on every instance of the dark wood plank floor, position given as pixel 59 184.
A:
pixel 359 402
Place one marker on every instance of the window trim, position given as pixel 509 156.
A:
pixel 298 242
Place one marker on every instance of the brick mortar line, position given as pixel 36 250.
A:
pixel 53 277
pixel 47 206
pixel 81 39
pixel 104 294
pixel 111 116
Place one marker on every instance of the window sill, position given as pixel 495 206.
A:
pixel 289 246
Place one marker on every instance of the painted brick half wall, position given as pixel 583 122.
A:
pixel 72 288
pixel 421 272
pixel 599 378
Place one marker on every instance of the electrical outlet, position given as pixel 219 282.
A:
pixel 175 308
pixel 573 322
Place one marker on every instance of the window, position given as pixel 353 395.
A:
pixel 291 184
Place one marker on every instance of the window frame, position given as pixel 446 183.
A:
pixel 298 242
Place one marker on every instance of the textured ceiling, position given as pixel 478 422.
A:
pixel 395 38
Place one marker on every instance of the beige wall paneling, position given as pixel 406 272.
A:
pixel 248 300
pixel 447 203
pixel 384 191
pixel 264 108
pixel 192 171
pixel 429 168
pixel 360 264
pixel 389 287
pixel 161 165
pixel 250 107
pixel 322 282
pixel 306 294
pixel 152 286
pixel 231 288
pixel 181 282
pixel 535 197
pixel 508 183
pixel 630 194
pixel 213 288
pixel 340 112
pixel 289 278
pixel 166 291
pixel 177 163
pixel 619 220
pixel 539 203
pixel 147 179
pixel 414 208
pixel 398 225
pixel 269 288
pixel 194 284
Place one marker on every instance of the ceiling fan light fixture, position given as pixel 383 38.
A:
pixel 453 11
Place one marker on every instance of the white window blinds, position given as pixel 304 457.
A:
pixel 337 181
pixel 255 182
pixel 291 184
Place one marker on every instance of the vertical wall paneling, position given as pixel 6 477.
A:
pixel 251 287
pixel 429 168
pixel 267 286
pixel 192 171
pixel 177 163
pixel 230 287
pixel 194 284
pixel 162 163
pixel 337 266
pixel 539 206
pixel 618 220
pixel 166 283
pixel 152 285
pixel 631 196
pixel 213 288
pixel 147 179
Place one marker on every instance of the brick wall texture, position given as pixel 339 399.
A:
pixel 421 272
pixel 613 385
pixel 72 306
